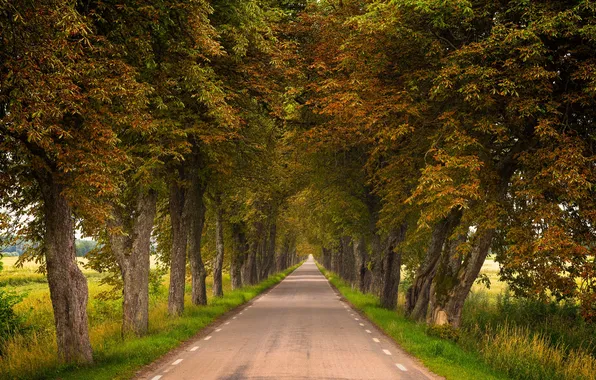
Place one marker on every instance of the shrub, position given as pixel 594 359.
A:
pixel 444 332
pixel 10 323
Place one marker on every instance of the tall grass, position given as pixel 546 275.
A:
pixel 33 356
pixel 522 354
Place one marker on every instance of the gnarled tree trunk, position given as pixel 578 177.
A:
pixel 455 278
pixel 392 267
pixel 196 210
pixel 180 227
pixel 219 250
pixel 360 263
pixel 269 249
pixel 418 294
pixel 132 250
pixel 68 285
pixel 239 253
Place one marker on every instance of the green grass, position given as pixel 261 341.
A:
pixel 32 355
pixel 442 357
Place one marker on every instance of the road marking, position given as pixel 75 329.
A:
pixel 209 337
pixel 156 377
pixel 227 323
pixel 218 330
pixel 376 340
pixel 234 317
pixel 401 367
pixel 177 362
pixel 361 324
pixel 368 331
pixel 194 348
pixel 356 319
pixel 240 313
pixel 387 352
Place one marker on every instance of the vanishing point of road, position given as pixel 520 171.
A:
pixel 301 329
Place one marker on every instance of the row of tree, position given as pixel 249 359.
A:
pixel 438 132
pixel 412 136
pixel 132 122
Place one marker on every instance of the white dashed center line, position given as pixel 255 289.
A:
pixel 227 323
pixel 387 352
pixel 194 348
pixel 401 367
pixel 356 319
pixel 368 331
pixel 376 340
pixel 177 362
pixel 156 377
pixel 218 330
pixel 234 317
pixel 209 337
pixel 361 324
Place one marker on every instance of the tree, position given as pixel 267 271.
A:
pixel 65 92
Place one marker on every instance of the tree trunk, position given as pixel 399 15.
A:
pixel 347 262
pixel 179 220
pixel 392 267
pixel 377 265
pixel 418 294
pixel 249 272
pixel 360 261
pixel 196 210
pixel 269 250
pixel 219 250
pixel 326 257
pixel 132 250
pixel 455 278
pixel 239 253
pixel 68 285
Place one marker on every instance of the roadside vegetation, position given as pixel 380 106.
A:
pixel 501 337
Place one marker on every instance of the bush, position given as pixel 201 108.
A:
pixel 10 322
pixel 447 332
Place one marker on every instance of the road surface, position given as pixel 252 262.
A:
pixel 299 330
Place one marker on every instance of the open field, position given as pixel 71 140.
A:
pixel 31 355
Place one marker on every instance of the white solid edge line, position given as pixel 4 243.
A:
pixel 177 362
pixel 156 377
pixel 207 338
pixel 401 367
pixel 387 352
pixel 368 331
pixel 194 348
pixel 376 340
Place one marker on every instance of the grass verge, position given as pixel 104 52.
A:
pixel 443 357
pixel 117 357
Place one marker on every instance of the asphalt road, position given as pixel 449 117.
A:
pixel 299 330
